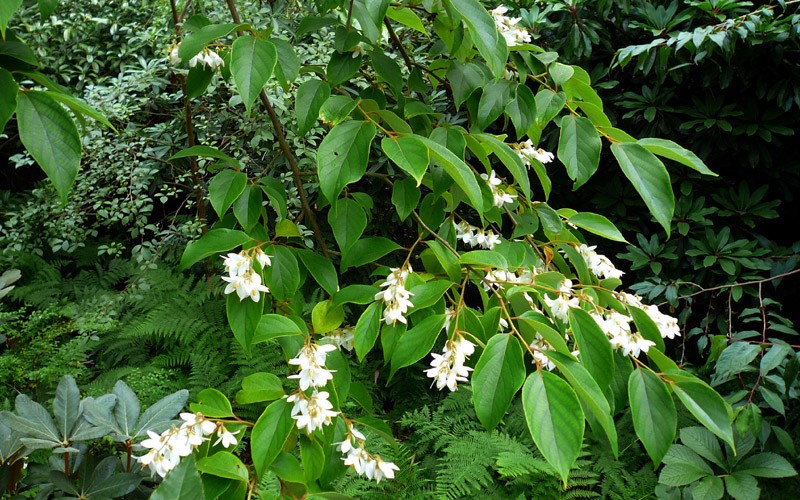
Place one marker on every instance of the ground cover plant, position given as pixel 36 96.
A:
pixel 324 250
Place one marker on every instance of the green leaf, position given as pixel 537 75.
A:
pixel 269 435
pixel 646 327
pixel 285 228
pixel 272 326
pixel 522 110
pixel 742 486
pixel 313 458
pixel 342 67
pixel 283 276
pixel 598 225
pixel 704 403
pixel 510 159
pixel 427 294
pixel 348 221
pixel 579 148
pixel 196 41
pixel 310 97
pixel 182 483
pixel 387 69
pixel 650 179
pixel 766 465
pixel 735 358
pixel 446 258
pixel 326 316
pixel 675 152
pixel 336 109
pixel 7 10
pixel 252 62
pixel 8 97
pixel 417 342
pixel 197 80
pixel 548 105
pixel 79 107
pixel 212 403
pixel 464 80
pixel 247 207
pixel 708 488
pixel 243 318
pixel 287 68
pixel 66 405
pixel 212 243
pixel 490 44
pixel 596 353
pixel 158 415
pixel 406 17
pixel 555 419
pixel 683 467
pixel 654 416
pixel 225 188
pixel 405 197
pixel 260 387
pixel 366 330
pixel 223 464
pixel 368 250
pixel 498 376
pixel 15 49
pixel 355 294
pixel 495 97
pixel 50 136
pixel 208 151
pixel 457 170
pixel 342 156
pixel 409 154
pixel 321 269
pixel 483 258
pixel 701 441
pixel 589 394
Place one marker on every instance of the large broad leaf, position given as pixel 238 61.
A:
pixel 579 148
pixel 321 269
pixel 212 403
pixel 126 409
pixel 272 326
pixel 650 179
pixel 368 250
pixel 50 136
pixel 498 376
pixel 590 394
pixel 654 416
pixel 555 419
pixel 510 159
pixel 310 97
pixel 596 353
pixel 409 154
pixel 457 170
pixel 66 405
pixel 8 97
pixel 252 62
pixel 495 97
pixel 283 276
pixel 348 221
pixel 522 110
pixel 598 225
pixel 260 387
pixel 196 41
pixel 366 330
pixel 342 156
pixel 415 343
pixel 212 243
pixel 704 403
pixel 7 9
pixel 269 434
pixel 464 80
pixel 491 45
pixel 288 67
pixel 182 483
pixel 675 152
pixel 158 415
pixel 225 188
pixel 223 464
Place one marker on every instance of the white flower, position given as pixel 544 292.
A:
pixel 173 57
pixel 166 450
pixel 226 438
pixel 599 265
pixel 667 325
pixel 384 469
pixel 395 296
pixel 507 26
pixel 448 369
pixel 311 360
pixel 527 152
pixel 208 58
pixel 560 306
pixel 539 345
pixel 473 236
pixel 237 264
pixel 341 338
pixel 262 258
pixel 618 329
pixel 499 195
pixel 242 278
pixel 311 412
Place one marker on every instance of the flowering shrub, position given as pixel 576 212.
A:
pixel 528 311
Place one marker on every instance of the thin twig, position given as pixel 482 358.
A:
pixel 732 285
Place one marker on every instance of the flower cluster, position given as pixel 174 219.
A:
pixel 499 195
pixel 527 152
pixel 475 236
pixel 311 360
pixel 507 26
pixel 242 278
pixel 395 295
pixel 207 57
pixel 599 265
pixel 362 461
pixel 564 301
pixel 448 369
pixel 618 329
pixel 342 338
pixel 311 412
pixel 667 325
pixel 167 449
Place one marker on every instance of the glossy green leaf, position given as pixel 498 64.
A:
pixel 598 225
pixel 326 316
pixel 348 221
pixel 198 80
pixel 8 97
pixel 311 95
pixel 387 69
pixel 342 67
pixel 428 294
pixel 287 69
pixel 596 353
pixel 495 97
pixel 336 109
pixel 243 318
pixel 355 294
pixel 405 197
pixel 555 419
pixel 457 170
pixel 483 258
pixel 196 41
pixel 272 326
pixel 406 17
pixel 650 179
pixel 548 105
pixel 704 403
pixel 510 159
pixel 368 250
pixel 522 110
pixel 417 342
pixel 312 456
pixel 579 148
pixel 7 10
pixel 212 403
pixel 766 465
pixel 654 416
pixel 342 156
pixel 464 80
pixel 252 62
pixel 212 243
pixel 498 376
pixel 269 434
pixel 223 464
pixel 50 136
pixel 490 44
pixel 247 207
pixel 182 483
pixel 321 269
pixel 260 387
pixel 208 151
pixel 675 152
pixel 283 276
pixel 367 328
pixel 225 188
pixel 409 154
